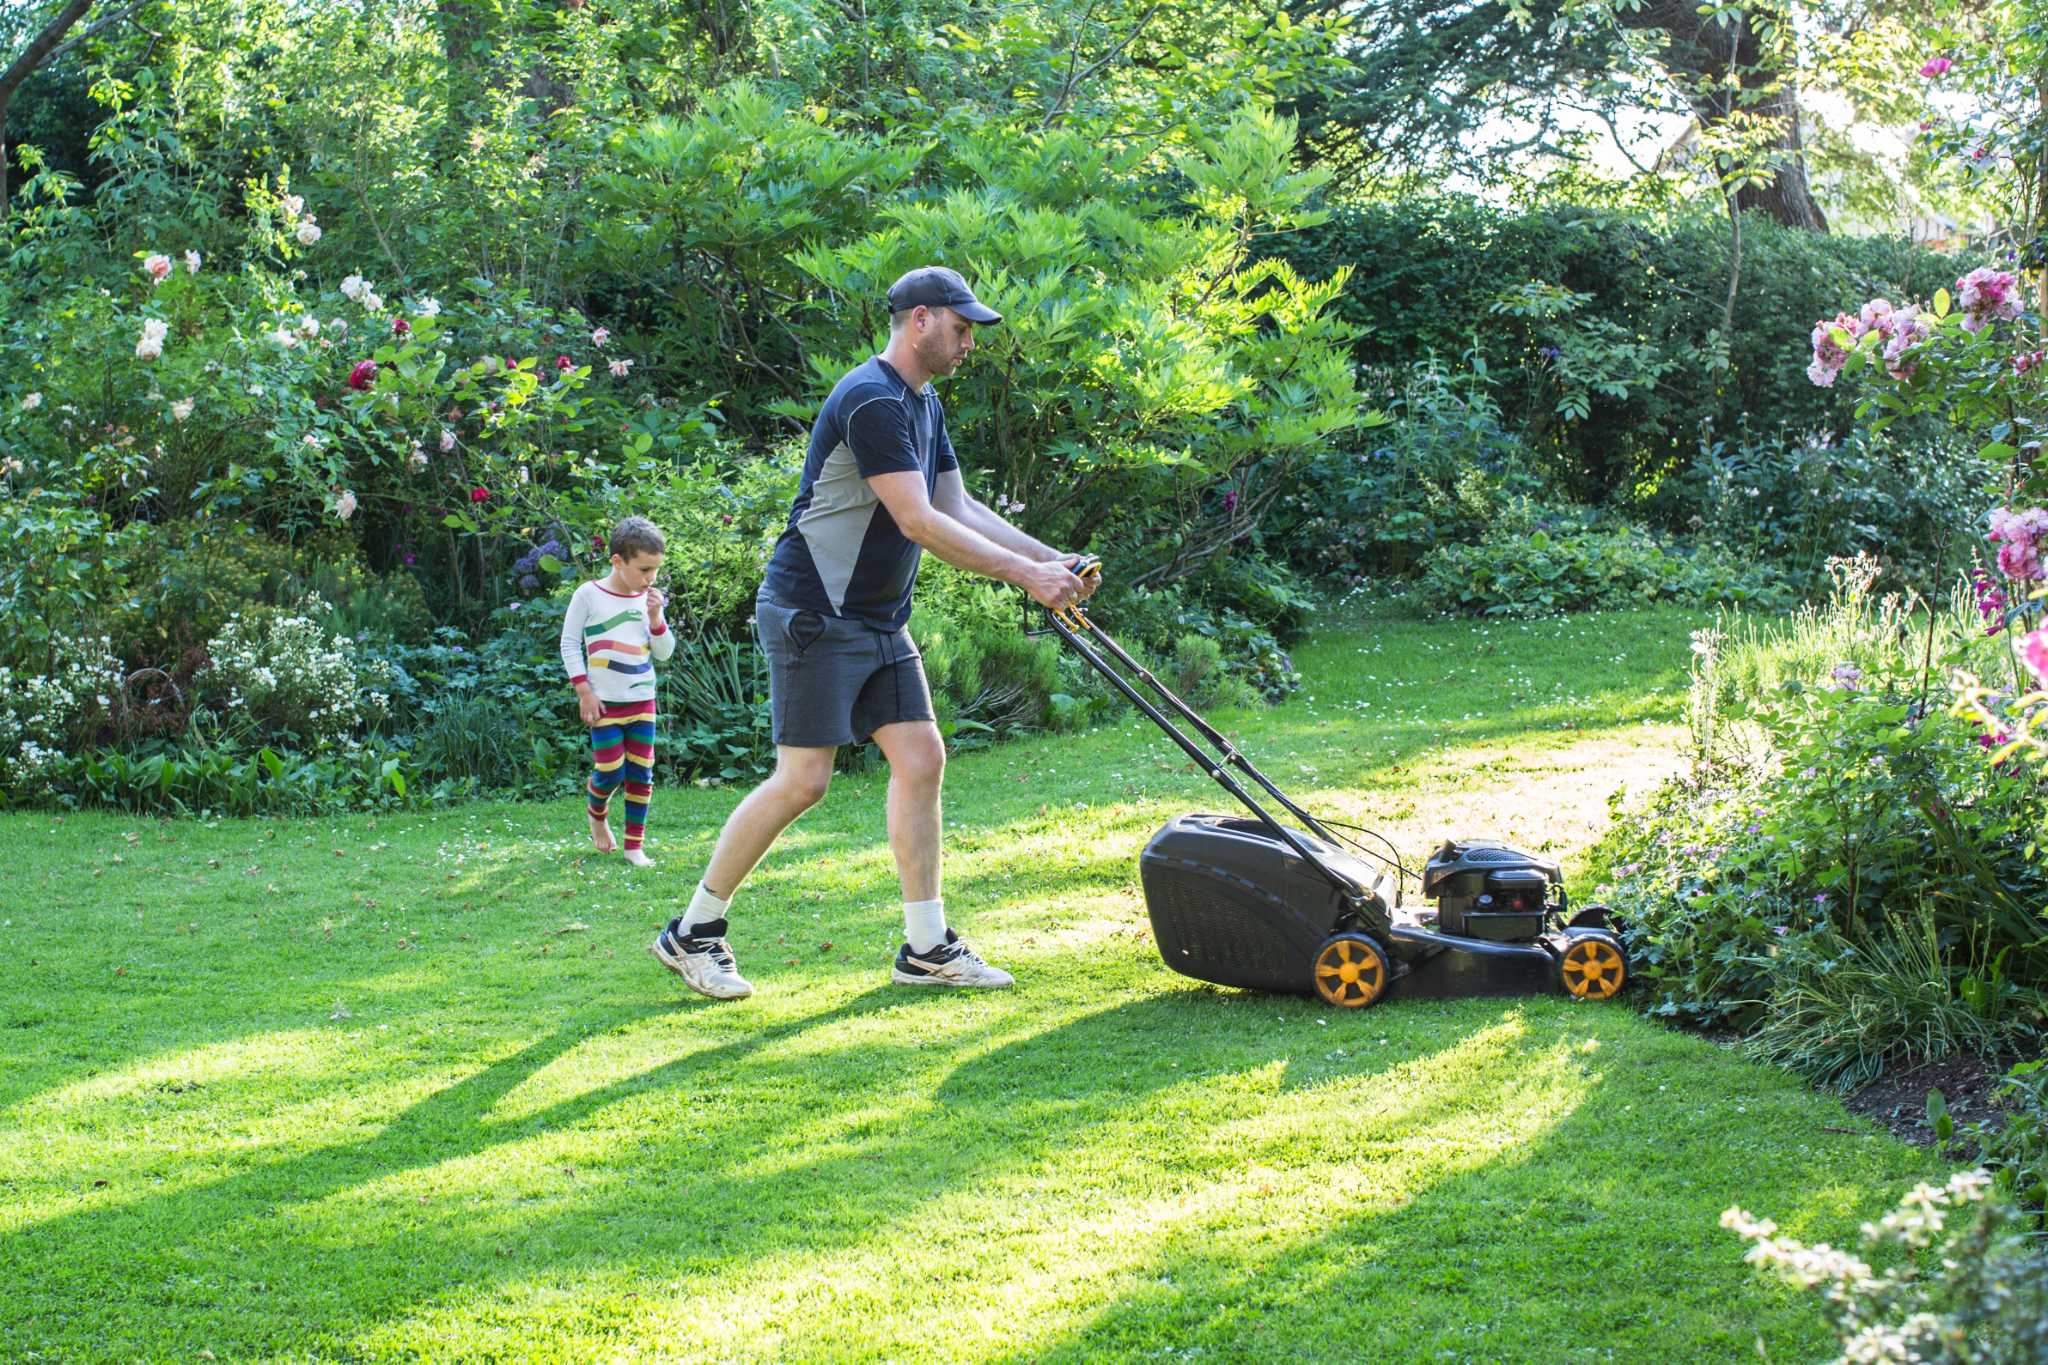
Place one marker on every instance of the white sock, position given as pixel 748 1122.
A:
pixel 704 908
pixel 924 924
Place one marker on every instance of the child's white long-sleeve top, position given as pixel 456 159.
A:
pixel 608 641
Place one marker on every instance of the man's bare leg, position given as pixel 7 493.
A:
pixel 917 769
pixel 932 955
pixel 798 783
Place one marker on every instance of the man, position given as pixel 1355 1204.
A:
pixel 881 485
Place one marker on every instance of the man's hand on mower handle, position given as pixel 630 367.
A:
pixel 1051 584
pixel 1087 570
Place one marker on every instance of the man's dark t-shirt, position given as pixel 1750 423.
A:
pixel 842 553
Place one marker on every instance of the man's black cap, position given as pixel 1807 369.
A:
pixel 934 286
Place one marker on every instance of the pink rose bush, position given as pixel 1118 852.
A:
pixel 1987 296
pixel 2019 536
pixel 1896 336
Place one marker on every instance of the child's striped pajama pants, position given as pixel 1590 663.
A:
pixel 622 752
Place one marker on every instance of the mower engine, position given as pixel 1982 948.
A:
pixel 1491 891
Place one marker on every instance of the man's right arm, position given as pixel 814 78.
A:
pixel 1050 582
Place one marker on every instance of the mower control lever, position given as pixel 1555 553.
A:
pixel 1088 568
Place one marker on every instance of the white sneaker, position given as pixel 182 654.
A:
pixel 702 960
pixel 952 963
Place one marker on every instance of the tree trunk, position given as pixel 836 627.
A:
pixel 1703 52
pixel 24 66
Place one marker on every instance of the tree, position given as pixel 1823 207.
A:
pixel 1472 81
pixel 1734 65
pixel 46 45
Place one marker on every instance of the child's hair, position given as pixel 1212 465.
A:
pixel 637 536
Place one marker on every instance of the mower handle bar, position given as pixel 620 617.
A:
pixel 1069 622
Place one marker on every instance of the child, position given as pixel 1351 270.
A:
pixel 610 629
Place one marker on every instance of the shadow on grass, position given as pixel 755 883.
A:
pixel 154 1265
pixel 1571 1246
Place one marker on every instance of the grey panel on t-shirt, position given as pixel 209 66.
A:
pixel 835 525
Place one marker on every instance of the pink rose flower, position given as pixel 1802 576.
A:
pixel 1937 66
pixel 2034 653
pixel 158 267
pixel 619 368
pixel 363 375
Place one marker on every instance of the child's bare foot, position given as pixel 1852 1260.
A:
pixel 638 858
pixel 601 834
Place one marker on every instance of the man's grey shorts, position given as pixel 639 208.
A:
pixel 834 681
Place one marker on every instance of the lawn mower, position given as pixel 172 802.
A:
pixel 1259 904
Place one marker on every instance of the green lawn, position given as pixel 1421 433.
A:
pixel 410 1087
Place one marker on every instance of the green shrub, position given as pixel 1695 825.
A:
pixel 44 717
pixel 716 726
pixel 2014 1142
pixel 1446 470
pixel 1840 1012
pixel 989 679
pixel 1197 675
pixel 1951 1276
pixel 471 738
pixel 1834 798
pixel 1547 572
pixel 282 675
pixel 1799 502
pixel 1608 415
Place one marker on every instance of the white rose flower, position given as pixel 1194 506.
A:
pixel 31 402
pixel 181 409
pixel 309 232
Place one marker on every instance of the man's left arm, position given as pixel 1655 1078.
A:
pixel 950 496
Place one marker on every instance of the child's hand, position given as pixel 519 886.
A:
pixel 588 707
pixel 656 601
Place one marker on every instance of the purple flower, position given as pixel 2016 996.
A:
pixel 1230 500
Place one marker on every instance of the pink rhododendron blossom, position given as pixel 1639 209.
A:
pixel 2019 537
pixel 1937 66
pixel 158 267
pixel 619 368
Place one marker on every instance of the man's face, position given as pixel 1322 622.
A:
pixel 943 340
